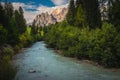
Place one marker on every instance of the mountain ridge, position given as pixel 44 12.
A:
pixel 45 19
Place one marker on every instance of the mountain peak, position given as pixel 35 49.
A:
pixel 45 19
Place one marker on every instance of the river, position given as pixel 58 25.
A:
pixel 41 63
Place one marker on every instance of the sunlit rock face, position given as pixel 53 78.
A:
pixel 60 14
pixel 45 19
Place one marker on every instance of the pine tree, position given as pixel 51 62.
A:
pixel 9 24
pixel 92 11
pixel 71 13
pixel 33 28
pixel 8 14
pixel 9 9
pixel 21 23
pixel 115 14
pixel 1 14
pixel 22 20
pixel 80 18
pixel 79 3
pixel 13 36
pixel 3 35
pixel 12 22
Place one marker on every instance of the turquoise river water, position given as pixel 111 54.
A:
pixel 41 63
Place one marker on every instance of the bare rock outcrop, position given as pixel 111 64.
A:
pixel 45 19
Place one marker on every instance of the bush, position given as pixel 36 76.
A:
pixel 3 35
pixel 16 48
pixel 7 52
pixel 100 45
pixel 7 72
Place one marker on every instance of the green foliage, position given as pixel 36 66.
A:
pixel 20 21
pixel 98 44
pixel 26 39
pixel 92 13
pixel 13 22
pixel 23 39
pixel 3 35
pixel 1 14
pixel 95 42
pixel 71 13
pixel 17 48
pixel 38 32
pixel 13 37
pixel 79 3
pixel 7 72
pixel 80 19
pixel 8 51
pixel 114 14
pixel 84 12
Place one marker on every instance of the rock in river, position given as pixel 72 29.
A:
pixel 31 71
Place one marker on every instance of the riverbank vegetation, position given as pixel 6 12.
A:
pixel 14 35
pixel 85 36
pixel 100 45
pixel 82 34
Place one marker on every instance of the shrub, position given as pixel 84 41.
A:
pixel 100 45
pixel 16 48
pixel 7 52
pixel 7 72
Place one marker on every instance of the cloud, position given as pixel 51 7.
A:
pixel 43 9
pixel 60 2
pixel 31 10
pixel 17 5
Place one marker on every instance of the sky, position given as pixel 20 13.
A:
pixel 34 7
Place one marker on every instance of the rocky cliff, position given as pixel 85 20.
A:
pixel 45 19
